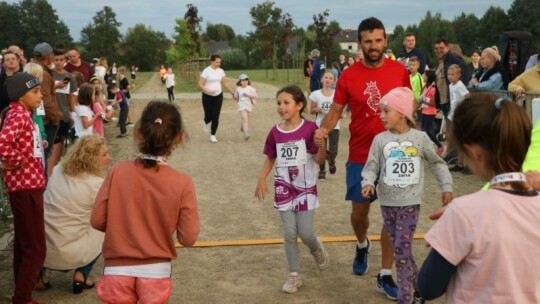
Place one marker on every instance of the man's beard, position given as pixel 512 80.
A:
pixel 368 58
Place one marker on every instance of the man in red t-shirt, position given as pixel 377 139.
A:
pixel 75 63
pixel 361 86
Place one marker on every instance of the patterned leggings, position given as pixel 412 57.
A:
pixel 401 224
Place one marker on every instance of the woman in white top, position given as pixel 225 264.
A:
pixel 211 81
pixel 101 72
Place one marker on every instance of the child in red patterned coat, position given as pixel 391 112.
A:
pixel 24 177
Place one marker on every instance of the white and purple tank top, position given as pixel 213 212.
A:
pixel 295 179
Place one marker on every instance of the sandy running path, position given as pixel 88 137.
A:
pixel 225 176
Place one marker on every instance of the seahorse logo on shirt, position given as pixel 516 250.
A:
pixel 374 95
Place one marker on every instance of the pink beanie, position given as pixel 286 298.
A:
pixel 400 99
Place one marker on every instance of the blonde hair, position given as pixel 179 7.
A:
pixel 492 52
pixel 103 62
pixel 34 69
pixel 455 67
pixel 83 157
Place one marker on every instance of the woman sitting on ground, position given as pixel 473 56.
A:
pixel 68 200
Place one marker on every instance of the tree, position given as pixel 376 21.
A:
pixel 287 33
pixel 35 21
pixel 492 24
pixel 219 32
pixel 466 28
pixel 144 47
pixel 431 28
pixel 193 22
pixel 10 33
pixel 395 39
pixel 325 33
pixel 266 20
pixel 523 15
pixel 183 47
pixel 102 36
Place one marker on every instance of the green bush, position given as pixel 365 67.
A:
pixel 232 59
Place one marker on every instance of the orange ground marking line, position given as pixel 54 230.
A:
pixel 327 239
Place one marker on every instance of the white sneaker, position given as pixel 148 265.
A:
pixel 213 139
pixel 246 136
pixel 321 257
pixel 293 283
pixel 205 127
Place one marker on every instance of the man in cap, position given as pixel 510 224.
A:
pixel 43 55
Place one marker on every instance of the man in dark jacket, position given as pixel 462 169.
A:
pixel 446 59
pixel 409 42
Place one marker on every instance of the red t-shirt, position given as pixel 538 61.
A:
pixel 362 88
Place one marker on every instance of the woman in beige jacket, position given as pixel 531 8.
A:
pixel 71 242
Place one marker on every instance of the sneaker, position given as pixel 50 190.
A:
pixel 322 175
pixel 457 168
pixel 360 263
pixel 246 136
pixel 451 157
pixel 417 298
pixel 332 165
pixel 293 283
pixel 441 150
pixel 321 257
pixel 129 124
pixel 213 139
pixel 205 127
pixel 386 285
pixel 121 136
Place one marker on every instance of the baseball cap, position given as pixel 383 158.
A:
pixel 242 76
pixel 43 50
pixel 400 99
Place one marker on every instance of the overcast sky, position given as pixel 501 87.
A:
pixel 161 14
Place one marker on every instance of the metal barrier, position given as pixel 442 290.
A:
pixel 530 101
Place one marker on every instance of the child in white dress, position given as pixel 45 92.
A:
pixel 245 95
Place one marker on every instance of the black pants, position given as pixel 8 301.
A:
pixel 427 126
pixel 212 109
pixel 122 120
pixel 170 93
pixel 51 130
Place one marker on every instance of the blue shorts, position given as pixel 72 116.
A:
pixel 354 184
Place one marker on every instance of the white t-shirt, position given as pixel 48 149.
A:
pixel 493 238
pixel 325 103
pixel 213 79
pixel 81 111
pixel 244 101
pixel 457 93
pixel 169 80
pixel 100 72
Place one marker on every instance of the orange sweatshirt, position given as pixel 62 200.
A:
pixel 140 209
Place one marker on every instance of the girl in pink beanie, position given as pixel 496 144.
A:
pixel 395 159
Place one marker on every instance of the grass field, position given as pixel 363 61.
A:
pixel 142 78
pixel 281 78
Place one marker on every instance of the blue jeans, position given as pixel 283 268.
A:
pixel 85 270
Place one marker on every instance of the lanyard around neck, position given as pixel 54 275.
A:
pixel 509 177
pixel 160 159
